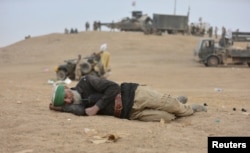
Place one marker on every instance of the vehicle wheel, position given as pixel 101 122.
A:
pixel 213 61
pixel 72 77
pixel 61 75
pixel 94 73
pixel 248 64
pixel 86 67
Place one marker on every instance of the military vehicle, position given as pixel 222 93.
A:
pixel 138 22
pixel 89 65
pixel 170 23
pixel 213 54
pixel 159 24
pixel 241 36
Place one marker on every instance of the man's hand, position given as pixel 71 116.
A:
pixel 50 106
pixel 92 110
pixel 56 108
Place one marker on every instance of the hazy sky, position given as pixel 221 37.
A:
pixel 19 18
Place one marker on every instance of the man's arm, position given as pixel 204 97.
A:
pixel 73 108
pixel 108 89
pixel 76 109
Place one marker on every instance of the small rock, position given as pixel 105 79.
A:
pixel 218 89
pixel 243 110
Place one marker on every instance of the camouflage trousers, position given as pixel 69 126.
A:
pixel 151 105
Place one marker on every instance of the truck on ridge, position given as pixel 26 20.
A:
pixel 170 23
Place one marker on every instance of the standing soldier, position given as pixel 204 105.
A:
pixel 216 31
pixel 210 31
pixel 72 31
pixel 66 31
pixel 105 57
pixel 95 25
pixel 222 41
pixel 223 32
pixel 78 72
pixel 99 26
pixel 112 26
pixel 76 31
pixel 87 26
pixel 228 36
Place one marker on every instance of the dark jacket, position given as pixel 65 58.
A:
pixel 102 92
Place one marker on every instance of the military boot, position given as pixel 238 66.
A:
pixel 182 99
pixel 198 108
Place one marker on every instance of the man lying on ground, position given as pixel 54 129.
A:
pixel 96 96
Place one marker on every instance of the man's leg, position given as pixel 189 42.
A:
pixel 182 99
pixel 152 115
pixel 77 73
pixel 148 98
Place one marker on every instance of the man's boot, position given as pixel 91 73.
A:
pixel 182 99
pixel 198 108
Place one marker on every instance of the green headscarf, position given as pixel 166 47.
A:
pixel 58 96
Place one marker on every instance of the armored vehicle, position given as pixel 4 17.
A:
pixel 138 22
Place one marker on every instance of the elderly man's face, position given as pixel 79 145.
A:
pixel 68 98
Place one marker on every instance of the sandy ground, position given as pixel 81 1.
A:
pixel 163 62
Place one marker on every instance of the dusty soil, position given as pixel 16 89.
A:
pixel 163 62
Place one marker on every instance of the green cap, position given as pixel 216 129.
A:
pixel 58 96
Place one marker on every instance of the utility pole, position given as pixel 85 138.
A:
pixel 174 7
pixel 188 11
